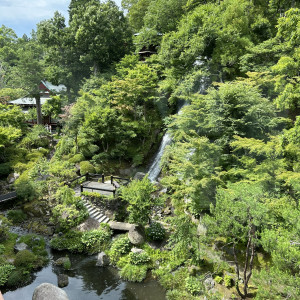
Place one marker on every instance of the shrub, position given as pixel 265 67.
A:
pixel 156 232
pixel 86 167
pixel 16 216
pixel 119 247
pixel 5 271
pixel 5 169
pixel 134 273
pixel 4 229
pixel 218 279
pixel 67 264
pixel 228 281
pixel 193 285
pixel 17 277
pixel 138 195
pixel 36 243
pixel 68 216
pixel 94 240
pixel 70 241
pixel 76 158
pixel 2 249
pixel 138 258
pixel 27 260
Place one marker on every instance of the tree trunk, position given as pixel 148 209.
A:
pixel 38 109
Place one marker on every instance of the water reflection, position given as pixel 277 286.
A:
pixel 86 281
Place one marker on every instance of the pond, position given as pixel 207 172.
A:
pixel 88 282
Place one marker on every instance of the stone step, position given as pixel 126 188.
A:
pixel 95 213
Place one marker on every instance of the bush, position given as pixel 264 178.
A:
pixel 5 169
pixel 36 243
pixel 2 249
pixel 16 216
pixel 94 240
pixel 138 195
pixel 138 258
pixel 68 216
pixel 4 229
pixel 218 279
pixel 27 260
pixel 76 158
pixel 17 277
pixel 67 264
pixel 5 271
pixel 86 167
pixel 119 247
pixel 134 273
pixel 156 232
pixel 193 285
pixel 228 281
pixel 71 241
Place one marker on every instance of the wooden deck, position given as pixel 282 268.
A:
pixel 105 188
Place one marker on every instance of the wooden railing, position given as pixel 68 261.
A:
pixel 89 176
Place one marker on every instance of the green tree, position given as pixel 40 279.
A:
pixel 138 196
pixel 239 215
pixel 101 33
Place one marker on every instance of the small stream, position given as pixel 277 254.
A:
pixel 86 281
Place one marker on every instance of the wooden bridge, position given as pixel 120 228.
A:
pixel 8 196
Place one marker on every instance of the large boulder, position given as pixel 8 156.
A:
pixel 62 280
pixel 20 247
pixel 102 260
pixel 12 178
pixel 139 176
pixel 47 291
pixel 120 226
pixel 136 234
pixel 61 261
pixel 88 225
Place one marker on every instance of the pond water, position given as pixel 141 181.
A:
pixel 88 282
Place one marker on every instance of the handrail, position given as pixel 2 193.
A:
pixel 97 189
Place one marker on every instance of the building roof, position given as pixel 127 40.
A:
pixel 28 101
pixel 54 88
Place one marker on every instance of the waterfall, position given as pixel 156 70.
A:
pixel 155 167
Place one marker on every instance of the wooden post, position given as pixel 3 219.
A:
pixel 111 179
pixel 81 188
pixel 87 177
pixel 102 178
pixel 114 193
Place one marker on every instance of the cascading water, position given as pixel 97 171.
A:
pixel 155 167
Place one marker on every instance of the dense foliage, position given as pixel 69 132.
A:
pixel 231 172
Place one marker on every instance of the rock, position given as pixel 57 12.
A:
pixel 137 250
pixel 127 172
pixel 120 226
pixel 136 235
pixel 12 178
pixel 61 261
pixel 20 247
pixel 46 291
pixel 110 214
pixel 88 225
pixel 62 280
pixel 139 176
pixel 102 260
pixel 209 283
